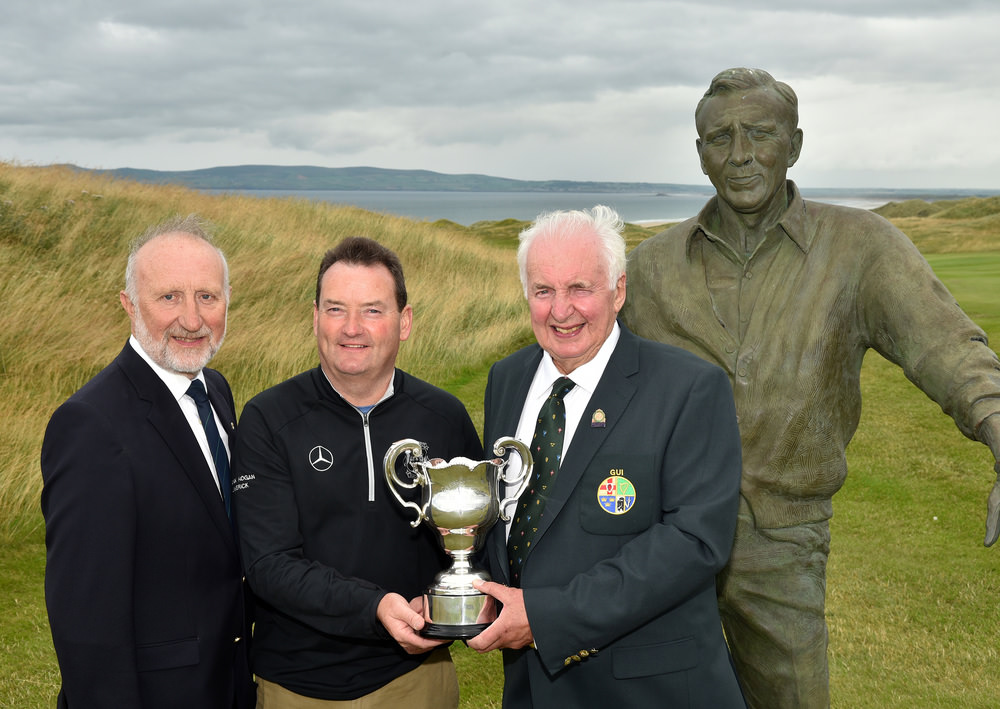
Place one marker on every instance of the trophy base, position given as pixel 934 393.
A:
pixel 458 614
pixel 452 632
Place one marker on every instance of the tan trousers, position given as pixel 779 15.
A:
pixel 432 685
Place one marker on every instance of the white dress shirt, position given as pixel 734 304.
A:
pixel 178 385
pixel 585 377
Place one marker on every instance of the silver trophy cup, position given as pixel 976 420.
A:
pixel 462 499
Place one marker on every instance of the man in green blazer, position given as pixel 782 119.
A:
pixel 608 590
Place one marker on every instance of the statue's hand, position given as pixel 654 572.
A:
pixel 993 511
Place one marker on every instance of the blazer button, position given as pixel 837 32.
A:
pixel 237 639
pixel 584 653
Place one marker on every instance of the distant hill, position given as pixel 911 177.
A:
pixel 278 177
pixel 970 208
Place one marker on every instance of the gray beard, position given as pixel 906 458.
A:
pixel 159 351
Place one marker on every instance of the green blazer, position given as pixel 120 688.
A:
pixel 622 603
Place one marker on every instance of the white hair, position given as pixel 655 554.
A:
pixel 600 221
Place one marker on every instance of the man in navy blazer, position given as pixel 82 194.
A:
pixel 143 581
pixel 616 604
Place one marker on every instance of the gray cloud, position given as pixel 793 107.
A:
pixel 599 89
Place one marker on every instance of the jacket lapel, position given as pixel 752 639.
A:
pixel 166 417
pixel 513 402
pixel 224 410
pixel 612 395
pixel 508 403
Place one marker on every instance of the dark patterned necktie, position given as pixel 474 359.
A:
pixel 546 449
pixel 197 392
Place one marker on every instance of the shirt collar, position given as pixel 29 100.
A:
pixel 587 375
pixel 792 222
pixel 390 390
pixel 178 384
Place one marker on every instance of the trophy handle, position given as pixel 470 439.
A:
pixel 415 451
pixel 503 445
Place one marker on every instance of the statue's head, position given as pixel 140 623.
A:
pixel 748 137
pixel 741 79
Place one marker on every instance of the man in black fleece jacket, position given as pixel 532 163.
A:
pixel 331 557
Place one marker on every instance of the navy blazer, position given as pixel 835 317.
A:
pixel 636 587
pixel 143 581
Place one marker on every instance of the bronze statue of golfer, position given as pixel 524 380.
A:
pixel 787 295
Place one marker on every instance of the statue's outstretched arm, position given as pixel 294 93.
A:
pixel 989 433
pixel 993 511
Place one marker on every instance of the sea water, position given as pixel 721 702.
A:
pixel 466 208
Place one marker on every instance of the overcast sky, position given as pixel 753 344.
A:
pixel 892 93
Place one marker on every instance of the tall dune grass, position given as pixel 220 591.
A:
pixel 949 226
pixel 63 240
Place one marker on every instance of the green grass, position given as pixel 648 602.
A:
pixel 912 600
pixel 28 674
